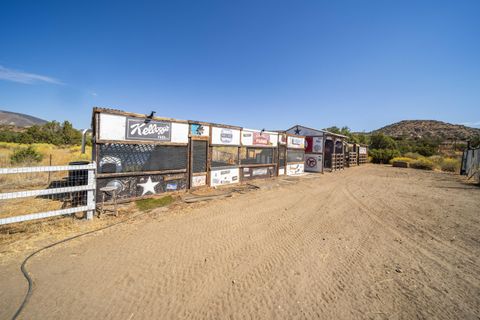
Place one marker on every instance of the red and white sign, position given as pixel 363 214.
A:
pixel 314 144
pixel 262 139
pixel 259 138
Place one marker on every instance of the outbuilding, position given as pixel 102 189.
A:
pixel 324 150
pixel 258 154
pixel 140 155
pixel 224 151
pixel 291 154
pixel 362 154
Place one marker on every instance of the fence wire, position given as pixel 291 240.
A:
pixel 32 190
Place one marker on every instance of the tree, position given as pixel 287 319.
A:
pixel 381 141
pixel 51 132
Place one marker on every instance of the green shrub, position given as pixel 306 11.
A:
pixel 422 163
pixel 381 141
pixel 26 156
pixel 412 155
pixel 401 159
pixel 450 165
pixel 437 160
pixel 383 155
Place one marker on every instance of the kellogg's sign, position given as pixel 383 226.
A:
pixel 139 129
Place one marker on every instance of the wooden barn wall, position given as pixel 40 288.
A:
pixel 137 186
pixel 142 157
pixel 250 173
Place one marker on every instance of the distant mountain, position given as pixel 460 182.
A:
pixel 429 128
pixel 19 120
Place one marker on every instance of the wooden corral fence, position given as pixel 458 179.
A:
pixel 471 164
pixel 362 155
pixel 77 189
pixel 337 161
pixel 352 159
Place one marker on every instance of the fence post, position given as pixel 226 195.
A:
pixel 91 194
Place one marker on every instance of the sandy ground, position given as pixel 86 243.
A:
pixel 370 242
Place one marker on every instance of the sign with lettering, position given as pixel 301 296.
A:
pixel 296 142
pixel 224 176
pixel 293 169
pixel 225 136
pixel 259 138
pixel 262 139
pixel 198 181
pixel 247 138
pixel 139 129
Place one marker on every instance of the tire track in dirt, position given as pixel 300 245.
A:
pixel 310 249
pixel 281 252
pixel 432 255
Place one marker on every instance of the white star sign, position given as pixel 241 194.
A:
pixel 148 186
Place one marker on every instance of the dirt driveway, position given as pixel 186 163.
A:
pixel 370 242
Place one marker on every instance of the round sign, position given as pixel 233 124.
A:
pixel 311 162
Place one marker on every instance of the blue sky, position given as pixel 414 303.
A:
pixel 258 64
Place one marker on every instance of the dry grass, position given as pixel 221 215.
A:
pixel 30 181
pixel 59 155
pixel 20 238
pixel 21 206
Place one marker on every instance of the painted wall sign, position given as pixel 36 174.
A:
pixel 224 176
pixel 314 144
pixel 262 139
pixel 282 139
pixel 296 142
pixel 258 173
pixel 115 127
pixel 198 181
pixel 362 150
pixel 259 138
pixel 313 162
pixel 199 130
pixel 247 138
pixel 138 129
pixel 137 186
pixel 225 136
pixel 304 131
pixel 293 169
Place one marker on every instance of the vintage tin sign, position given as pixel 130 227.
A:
pixel 139 129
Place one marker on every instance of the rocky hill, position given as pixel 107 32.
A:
pixel 19 120
pixel 429 128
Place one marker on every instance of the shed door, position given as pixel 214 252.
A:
pixel 282 154
pixel 328 154
pixel 198 171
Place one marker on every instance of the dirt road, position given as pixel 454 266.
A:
pixel 370 242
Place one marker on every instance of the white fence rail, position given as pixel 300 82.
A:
pixel 89 187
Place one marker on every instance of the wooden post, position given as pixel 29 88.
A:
pixel 91 194
pixel 49 172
